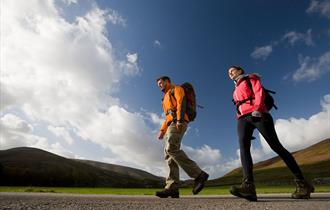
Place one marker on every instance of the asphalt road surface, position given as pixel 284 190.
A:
pixel 75 201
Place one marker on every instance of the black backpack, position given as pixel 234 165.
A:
pixel 269 100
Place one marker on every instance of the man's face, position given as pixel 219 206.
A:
pixel 162 84
pixel 234 73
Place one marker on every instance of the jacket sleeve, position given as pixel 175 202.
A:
pixel 259 94
pixel 180 103
pixel 163 128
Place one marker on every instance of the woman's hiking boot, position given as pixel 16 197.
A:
pixel 247 190
pixel 303 189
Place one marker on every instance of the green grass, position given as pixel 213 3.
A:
pixel 221 190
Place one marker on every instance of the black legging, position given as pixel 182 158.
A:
pixel 265 126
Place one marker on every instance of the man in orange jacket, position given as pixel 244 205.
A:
pixel 173 129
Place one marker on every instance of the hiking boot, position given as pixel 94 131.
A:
pixel 165 193
pixel 199 182
pixel 247 190
pixel 303 189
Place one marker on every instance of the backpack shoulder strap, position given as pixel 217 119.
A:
pixel 248 82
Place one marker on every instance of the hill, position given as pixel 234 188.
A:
pixel 314 162
pixel 26 166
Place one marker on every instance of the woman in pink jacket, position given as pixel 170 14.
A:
pixel 252 113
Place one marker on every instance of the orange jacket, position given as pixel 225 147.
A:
pixel 174 106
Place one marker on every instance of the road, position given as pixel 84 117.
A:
pixel 78 201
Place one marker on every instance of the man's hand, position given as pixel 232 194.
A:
pixel 161 135
pixel 179 126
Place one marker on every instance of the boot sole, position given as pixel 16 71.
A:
pixel 247 197
pixel 172 196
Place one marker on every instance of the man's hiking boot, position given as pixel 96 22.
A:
pixel 199 182
pixel 247 190
pixel 303 189
pixel 173 193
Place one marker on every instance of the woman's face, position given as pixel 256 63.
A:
pixel 233 73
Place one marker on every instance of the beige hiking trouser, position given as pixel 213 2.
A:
pixel 176 157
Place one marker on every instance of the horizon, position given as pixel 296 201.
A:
pixel 78 77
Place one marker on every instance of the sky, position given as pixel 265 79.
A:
pixel 78 77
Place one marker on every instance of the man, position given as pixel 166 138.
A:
pixel 252 113
pixel 173 129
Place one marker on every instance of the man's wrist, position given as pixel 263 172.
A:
pixel 180 121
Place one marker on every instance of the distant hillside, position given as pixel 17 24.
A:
pixel 314 162
pixel 30 166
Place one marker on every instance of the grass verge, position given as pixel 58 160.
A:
pixel 221 190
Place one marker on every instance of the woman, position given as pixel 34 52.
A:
pixel 252 113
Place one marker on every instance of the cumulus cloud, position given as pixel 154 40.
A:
pixel 298 133
pixel 321 7
pixel 60 75
pixel 312 68
pixel 56 72
pixel 262 52
pixel 130 66
pixel 17 132
pixel 156 119
pixel 293 37
pixel 61 132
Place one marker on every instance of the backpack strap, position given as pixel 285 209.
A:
pixel 249 84
pixel 172 111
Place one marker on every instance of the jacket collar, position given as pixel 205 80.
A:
pixel 239 79
pixel 171 87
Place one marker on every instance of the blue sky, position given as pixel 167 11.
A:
pixel 89 69
pixel 200 40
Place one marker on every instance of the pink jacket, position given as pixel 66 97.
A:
pixel 243 91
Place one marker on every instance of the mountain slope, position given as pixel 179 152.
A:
pixel 314 162
pixel 31 166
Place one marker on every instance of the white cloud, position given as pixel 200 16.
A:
pixel 205 156
pixel 321 7
pixel 61 132
pixel 16 132
pixel 69 2
pixel 157 43
pixel 262 52
pixel 298 133
pixel 60 75
pixel 132 58
pixel 311 69
pixel 115 18
pixel 57 74
pixel 15 123
pixel 156 119
pixel 293 37
pixel 130 66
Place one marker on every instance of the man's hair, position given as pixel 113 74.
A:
pixel 237 68
pixel 164 78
